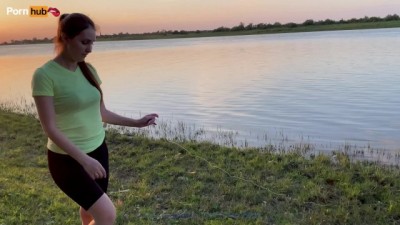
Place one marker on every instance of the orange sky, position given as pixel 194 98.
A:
pixel 134 16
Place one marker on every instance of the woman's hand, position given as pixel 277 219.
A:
pixel 148 120
pixel 94 168
pixel 113 118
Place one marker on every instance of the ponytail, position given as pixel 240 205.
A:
pixel 90 77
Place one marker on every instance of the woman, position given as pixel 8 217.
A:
pixel 71 110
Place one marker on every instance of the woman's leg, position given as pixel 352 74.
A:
pixel 81 188
pixel 103 211
pixel 86 217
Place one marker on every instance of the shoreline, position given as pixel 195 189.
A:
pixel 222 33
pixel 278 143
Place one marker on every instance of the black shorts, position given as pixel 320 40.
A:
pixel 73 180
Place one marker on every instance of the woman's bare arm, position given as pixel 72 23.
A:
pixel 113 118
pixel 45 108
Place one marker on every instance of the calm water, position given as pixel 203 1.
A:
pixel 328 88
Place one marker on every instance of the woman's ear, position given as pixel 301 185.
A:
pixel 64 38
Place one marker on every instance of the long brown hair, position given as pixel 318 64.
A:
pixel 71 25
pixel 89 76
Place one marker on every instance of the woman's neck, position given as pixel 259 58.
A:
pixel 66 62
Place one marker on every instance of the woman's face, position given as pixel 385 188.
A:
pixel 80 46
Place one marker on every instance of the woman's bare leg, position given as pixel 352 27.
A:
pixel 103 211
pixel 85 216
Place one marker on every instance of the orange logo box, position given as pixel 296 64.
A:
pixel 38 11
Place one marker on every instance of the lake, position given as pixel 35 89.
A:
pixel 331 89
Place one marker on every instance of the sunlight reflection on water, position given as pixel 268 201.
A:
pixel 327 88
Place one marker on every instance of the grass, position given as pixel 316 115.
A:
pixel 174 181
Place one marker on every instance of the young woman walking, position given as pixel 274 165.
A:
pixel 71 110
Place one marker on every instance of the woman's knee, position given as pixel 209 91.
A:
pixel 103 210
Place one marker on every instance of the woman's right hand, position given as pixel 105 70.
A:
pixel 94 168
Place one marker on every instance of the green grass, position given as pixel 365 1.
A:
pixel 166 182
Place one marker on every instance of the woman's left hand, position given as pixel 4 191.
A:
pixel 148 120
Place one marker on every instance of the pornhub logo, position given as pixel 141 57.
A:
pixel 54 11
pixel 33 11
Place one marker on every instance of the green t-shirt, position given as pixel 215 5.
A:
pixel 76 105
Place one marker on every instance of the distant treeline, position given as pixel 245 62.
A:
pixel 309 22
pixel 235 30
pixel 28 41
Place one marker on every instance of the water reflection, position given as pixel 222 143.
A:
pixel 329 88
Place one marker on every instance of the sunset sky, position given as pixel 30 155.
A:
pixel 134 16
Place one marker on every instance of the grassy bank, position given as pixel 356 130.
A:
pixel 289 28
pixel 273 30
pixel 164 182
